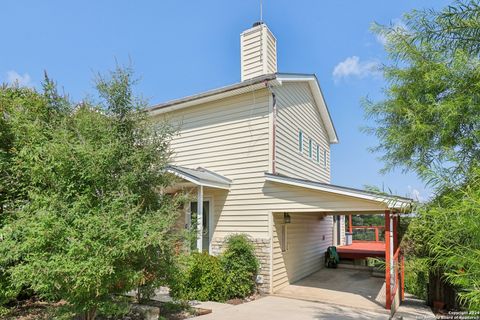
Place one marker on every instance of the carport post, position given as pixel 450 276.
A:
pixel 199 218
pixel 388 295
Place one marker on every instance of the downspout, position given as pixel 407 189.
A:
pixel 274 127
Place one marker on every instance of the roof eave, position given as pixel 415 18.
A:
pixel 195 180
pixel 319 100
pixel 212 95
pixel 390 202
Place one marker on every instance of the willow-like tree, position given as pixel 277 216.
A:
pixel 83 219
pixel 429 123
pixel 430 119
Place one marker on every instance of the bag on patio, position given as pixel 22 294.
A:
pixel 331 258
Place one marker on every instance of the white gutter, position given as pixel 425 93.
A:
pixel 391 202
pixel 199 182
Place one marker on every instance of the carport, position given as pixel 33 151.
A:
pixel 300 240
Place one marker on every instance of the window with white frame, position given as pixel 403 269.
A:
pixel 284 238
pixel 324 158
pixel 317 154
pixel 310 148
pixel 300 141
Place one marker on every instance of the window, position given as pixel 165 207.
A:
pixel 318 154
pixel 283 238
pixel 300 141
pixel 324 158
pixel 310 147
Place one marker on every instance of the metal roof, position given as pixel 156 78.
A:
pixel 201 177
pixel 391 201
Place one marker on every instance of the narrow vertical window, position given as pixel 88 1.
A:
pixel 283 238
pixel 324 158
pixel 317 154
pixel 300 141
pixel 310 148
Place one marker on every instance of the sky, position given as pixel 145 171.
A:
pixel 182 47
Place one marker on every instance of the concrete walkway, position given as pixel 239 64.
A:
pixel 279 308
pixel 413 308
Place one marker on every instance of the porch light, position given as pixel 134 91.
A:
pixel 286 218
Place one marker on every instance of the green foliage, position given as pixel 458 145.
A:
pixel 416 276
pixel 429 123
pixel 82 219
pixel 457 27
pixel 232 275
pixel 240 266
pixel 454 249
pixel 430 119
pixel 201 278
pixel 367 220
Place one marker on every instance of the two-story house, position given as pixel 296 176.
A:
pixel 257 154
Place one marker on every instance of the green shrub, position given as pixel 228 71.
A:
pixel 416 276
pixel 240 266
pixel 201 278
pixel 209 278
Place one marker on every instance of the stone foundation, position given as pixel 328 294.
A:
pixel 262 251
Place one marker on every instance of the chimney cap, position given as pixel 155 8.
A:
pixel 258 23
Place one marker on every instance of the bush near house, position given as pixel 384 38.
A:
pixel 240 266
pixel 202 278
pixel 210 278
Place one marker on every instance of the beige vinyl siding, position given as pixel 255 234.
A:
pixel 229 137
pixel 232 137
pixel 258 52
pixel 252 54
pixel 296 110
pixel 306 247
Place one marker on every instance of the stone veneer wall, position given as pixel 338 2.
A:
pixel 262 251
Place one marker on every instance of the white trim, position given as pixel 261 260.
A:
pixel 211 216
pixel 386 200
pixel 199 182
pixel 270 132
pixel 200 218
pixel 213 97
pixel 270 235
pixel 319 101
pixel 310 79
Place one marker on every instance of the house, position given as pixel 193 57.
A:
pixel 257 154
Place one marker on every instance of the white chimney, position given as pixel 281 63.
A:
pixel 258 51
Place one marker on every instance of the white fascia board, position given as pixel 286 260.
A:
pixel 389 202
pixel 319 101
pixel 198 182
pixel 213 97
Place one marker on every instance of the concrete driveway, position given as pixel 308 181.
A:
pixel 350 288
pixel 280 308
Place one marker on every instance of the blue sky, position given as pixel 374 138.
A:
pixel 179 48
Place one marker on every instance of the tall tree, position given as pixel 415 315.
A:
pixel 86 221
pixel 430 119
pixel 429 122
